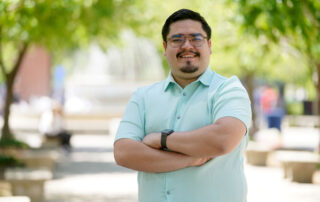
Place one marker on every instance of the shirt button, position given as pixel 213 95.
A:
pixel 168 192
pixel 178 117
pixel 184 94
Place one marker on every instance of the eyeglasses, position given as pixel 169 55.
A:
pixel 178 40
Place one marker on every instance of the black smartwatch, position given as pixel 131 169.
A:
pixel 164 135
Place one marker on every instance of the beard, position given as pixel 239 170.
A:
pixel 189 68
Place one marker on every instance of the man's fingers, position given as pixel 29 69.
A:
pixel 200 161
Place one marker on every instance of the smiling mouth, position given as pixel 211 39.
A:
pixel 187 55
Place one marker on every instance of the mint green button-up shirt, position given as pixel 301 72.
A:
pixel 165 105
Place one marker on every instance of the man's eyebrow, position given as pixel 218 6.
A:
pixel 180 35
pixel 176 35
pixel 196 34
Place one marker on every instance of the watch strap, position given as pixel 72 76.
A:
pixel 164 134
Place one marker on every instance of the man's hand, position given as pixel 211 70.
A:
pixel 198 161
pixel 153 140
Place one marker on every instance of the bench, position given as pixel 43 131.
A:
pixel 50 143
pixel 257 157
pixel 298 166
pixel 257 154
pixel 28 182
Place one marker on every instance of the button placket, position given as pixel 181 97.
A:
pixel 181 104
pixel 180 109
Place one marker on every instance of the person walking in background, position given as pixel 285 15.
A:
pixel 187 134
pixel 52 126
pixel 272 107
pixel 269 100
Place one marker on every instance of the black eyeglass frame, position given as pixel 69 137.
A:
pixel 174 41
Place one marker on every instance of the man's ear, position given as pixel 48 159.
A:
pixel 165 48
pixel 210 46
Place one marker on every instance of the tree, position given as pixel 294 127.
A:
pixel 295 22
pixel 251 57
pixel 57 25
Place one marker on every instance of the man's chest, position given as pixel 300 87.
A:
pixel 181 111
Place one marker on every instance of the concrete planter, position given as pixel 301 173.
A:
pixel 5 189
pixel 10 151
pixel 40 159
pixel 28 182
pixel 15 199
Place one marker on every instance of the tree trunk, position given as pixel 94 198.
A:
pixel 9 78
pixel 318 102
pixel 6 132
pixel 249 82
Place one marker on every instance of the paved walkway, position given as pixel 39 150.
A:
pixel 89 173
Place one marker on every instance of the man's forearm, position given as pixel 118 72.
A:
pixel 209 141
pixel 138 156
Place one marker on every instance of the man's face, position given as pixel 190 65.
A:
pixel 187 62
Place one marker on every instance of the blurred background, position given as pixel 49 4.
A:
pixel 71 66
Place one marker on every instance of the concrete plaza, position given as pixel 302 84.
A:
pixel 89 173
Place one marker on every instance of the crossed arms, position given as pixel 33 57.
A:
pixel 190 148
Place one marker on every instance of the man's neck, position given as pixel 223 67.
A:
pixel 184 82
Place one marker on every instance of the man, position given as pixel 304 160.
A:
pixel 186 135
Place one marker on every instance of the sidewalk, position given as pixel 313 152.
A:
pixel 89 173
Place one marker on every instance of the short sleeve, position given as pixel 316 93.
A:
pixel 231 99
pixel 132 123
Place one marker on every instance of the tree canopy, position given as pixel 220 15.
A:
pixel 60 25
pixel 297 22
pixel 57 25
pixel 287 21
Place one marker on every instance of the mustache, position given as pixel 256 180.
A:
pixel 182 52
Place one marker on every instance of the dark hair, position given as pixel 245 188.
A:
pixel 184 14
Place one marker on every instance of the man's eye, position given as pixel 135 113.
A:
pixel 197 39
pixel 177 40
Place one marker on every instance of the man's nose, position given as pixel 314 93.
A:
pixel 186 44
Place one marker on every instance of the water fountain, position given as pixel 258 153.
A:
pixel 102 83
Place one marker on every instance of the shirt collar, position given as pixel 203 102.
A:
pixel 205 79
pixel 169 81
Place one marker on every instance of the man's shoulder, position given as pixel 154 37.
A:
pixel 221 83
pixel 232 82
